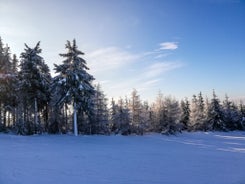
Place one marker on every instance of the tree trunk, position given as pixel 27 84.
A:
pixel 75 118
pixel 66 118
pixel 35 115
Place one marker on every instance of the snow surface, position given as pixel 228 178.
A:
pixel 188 158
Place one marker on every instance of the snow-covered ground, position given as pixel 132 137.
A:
pixel 188 158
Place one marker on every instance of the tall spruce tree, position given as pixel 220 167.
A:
pixel 34 80
pixel 73 84
pixel 5 81
pixel 215 116
pixel 8 87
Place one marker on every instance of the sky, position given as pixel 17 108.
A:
pixel 178 47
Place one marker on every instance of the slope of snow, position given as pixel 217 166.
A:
pixel 188 158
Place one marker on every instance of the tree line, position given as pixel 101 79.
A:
pixel 34 102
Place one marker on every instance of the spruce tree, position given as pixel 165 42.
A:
pixel 120 117
pixel 8 88
pixel 172 116
pixel 100 112
pixel 185 113
pixel 34 80
pixel 231 115
pixel 123 117
pixel 215 117
pixel 73 84
pixel 113 114
pixel 136 113
pixel 197 115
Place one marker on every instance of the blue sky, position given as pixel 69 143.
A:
pixel 180 47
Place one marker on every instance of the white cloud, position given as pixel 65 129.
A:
pixel 120 70
pixel 159 68
pixel 162 55
pixel 168 45
pixel 110 58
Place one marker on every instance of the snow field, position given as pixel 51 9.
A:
pixel 187 158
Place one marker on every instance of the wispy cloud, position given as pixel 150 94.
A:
pixel 168 45
pixel 110 58
pixel 162 55
pixel 120 70
pixel 159 68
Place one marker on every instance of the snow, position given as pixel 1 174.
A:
pixel 62 81
pixel 191 158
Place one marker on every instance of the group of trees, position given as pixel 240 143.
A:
pixel 32 101
pixel 168 116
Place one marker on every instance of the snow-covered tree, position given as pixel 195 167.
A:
pixel 136 113
pixel 120 117
pixel 232 118
pixel 197 115
pixel 8 87
pixel 215 116
pixel 185 113
pixel 34 80
pixel 158 113
pixel 167 115
pixel 146 117
pixel 241 109
pixel 113 115
pixel 100 112
pixel 73 84
pixel 172 116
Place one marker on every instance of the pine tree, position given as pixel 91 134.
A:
pixel 8 88
pixel 146 117
pixel 123 117
pixel 172 116
pixel 113 112
pixel 136 112
pixel 166 115
pixel 242 114
pixel 231 115
pixel 73 84
pixel 185 113
pixel 34 77
pixel 100 112
pixel 158 113
pixel 197 115
pixel 2 57
pixel 215 118
pixel 120 117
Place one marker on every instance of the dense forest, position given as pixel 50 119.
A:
pixel 34 102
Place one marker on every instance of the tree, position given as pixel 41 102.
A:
pixel 8 87
pixel 158 113
pixel 166 112
pixel 34 80
pixel 113 113
pixel 215 118
pixel 172 116
pixel 73 84
pixel 185 113
pixel 100 112
pixel 231 115
pixel 197 115
pixel 136 113
pixel 146 116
